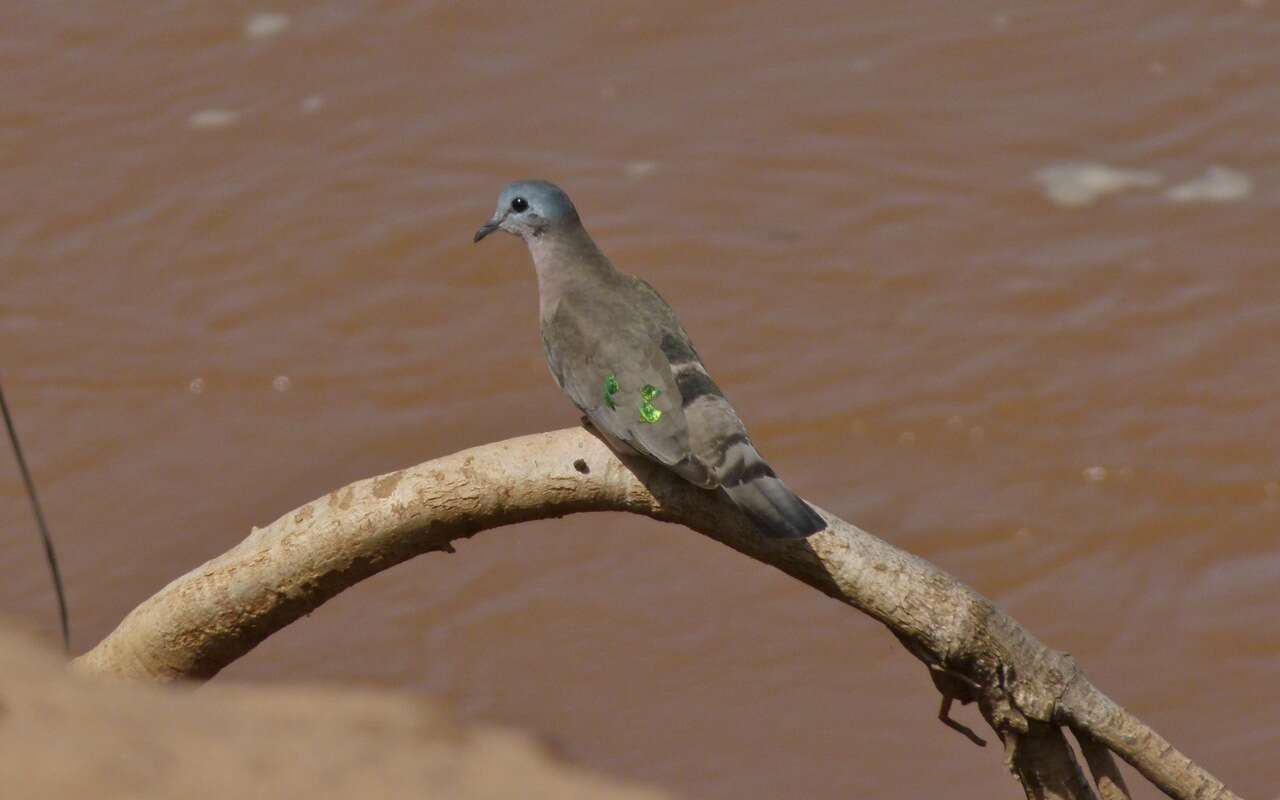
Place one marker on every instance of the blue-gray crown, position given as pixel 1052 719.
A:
pixel 545 199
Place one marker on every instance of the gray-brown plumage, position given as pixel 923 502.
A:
pixel 617 349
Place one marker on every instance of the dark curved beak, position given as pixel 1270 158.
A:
pixel 486 229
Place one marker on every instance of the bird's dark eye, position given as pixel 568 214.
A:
pixel 519 204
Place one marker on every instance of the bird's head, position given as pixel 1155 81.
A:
pixel 529 209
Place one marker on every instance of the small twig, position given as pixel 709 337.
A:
pixel 952 686
pixel 944 716
pixel 49 553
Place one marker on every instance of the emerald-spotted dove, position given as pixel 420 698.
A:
pixel 617 349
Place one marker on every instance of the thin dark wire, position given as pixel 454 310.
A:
pixel 44 529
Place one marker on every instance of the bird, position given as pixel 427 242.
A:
pixel 616 348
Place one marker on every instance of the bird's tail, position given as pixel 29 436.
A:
pixel 776 510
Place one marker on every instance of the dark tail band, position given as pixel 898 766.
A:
pixel 774 508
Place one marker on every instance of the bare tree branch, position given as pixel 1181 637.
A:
pixel 211 616
pixel 1043 762
pixel 1106 773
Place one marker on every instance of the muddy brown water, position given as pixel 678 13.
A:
pixel 237 268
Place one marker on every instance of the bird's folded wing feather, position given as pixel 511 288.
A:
pixel 613 368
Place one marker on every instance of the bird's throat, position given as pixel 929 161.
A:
pixel 565 261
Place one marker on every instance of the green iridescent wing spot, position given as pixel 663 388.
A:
pixel 610 389
pixel 648 411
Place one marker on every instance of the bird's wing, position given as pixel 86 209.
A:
pixel 721 453
pixel 609 359
pixel 630 366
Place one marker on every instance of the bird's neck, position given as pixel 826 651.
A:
pixel 565 261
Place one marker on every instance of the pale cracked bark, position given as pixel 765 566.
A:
pixel 211 616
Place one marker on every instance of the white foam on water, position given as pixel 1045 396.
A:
pixel 196 386
pixel 265 24
pixel 1095 474
pixel 1216 185
pixel 281 383
pixel 312 104
pixel 1079 183
pixel 213 118
pixel 640 169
